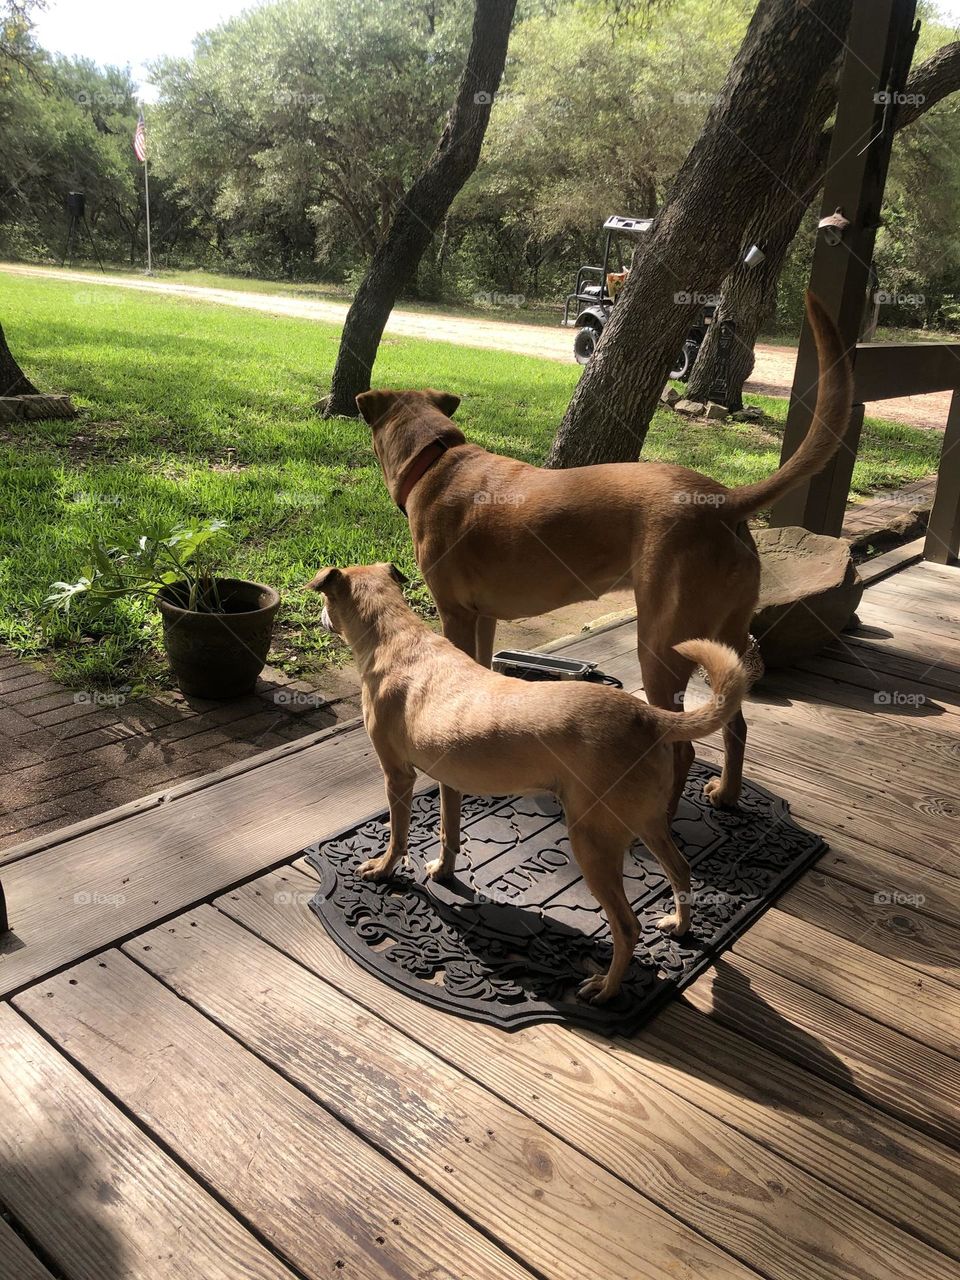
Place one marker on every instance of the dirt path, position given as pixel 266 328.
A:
pixel 773 375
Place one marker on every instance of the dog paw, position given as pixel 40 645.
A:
pixel 671 925
pixel 437 869
pixel 375 869
pixel 596 990
pixel 713 791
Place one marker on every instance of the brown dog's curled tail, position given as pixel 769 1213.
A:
pixel 831 417
pixel 728 685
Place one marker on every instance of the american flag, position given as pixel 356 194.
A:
pixel 140 140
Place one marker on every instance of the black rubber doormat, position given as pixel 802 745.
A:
pixel 512 937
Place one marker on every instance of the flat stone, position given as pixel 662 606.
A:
pixel 717 412
pixel 809 591
pixel 35 408
pixel 748 414
pixel 669 395
pixel 692 408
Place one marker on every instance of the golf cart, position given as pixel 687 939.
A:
pixel 596 292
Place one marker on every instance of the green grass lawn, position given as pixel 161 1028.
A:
pixel 191 411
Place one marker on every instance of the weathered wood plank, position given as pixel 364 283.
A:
pixel 892 561
pixel 603 1099
pixel 888 658
pixel 865 867
pixel 885 923
pixel 324 1199
pixel 70 900
pixel 879 1065
pixel 100 1199
pixel 841 1139
pixel 841 812
pixel 558 1212
pixel 853 975
pixel 16 1260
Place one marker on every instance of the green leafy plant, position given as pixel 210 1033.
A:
pixel 184 554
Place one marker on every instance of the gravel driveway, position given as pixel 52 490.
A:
pixel 772 376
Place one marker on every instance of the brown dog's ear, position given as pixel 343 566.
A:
pixel 325 580
pixel 397 576
pixel 374 405
pixel 445 401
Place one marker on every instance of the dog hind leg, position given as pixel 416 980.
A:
pixel 665 678
pixel 724 792
pixel 660 842
pixel 601 861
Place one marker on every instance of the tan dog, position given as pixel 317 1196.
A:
pixel 606 756
pixel 496 538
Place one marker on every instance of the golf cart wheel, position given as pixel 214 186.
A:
pixel 585 343
pixel 685 364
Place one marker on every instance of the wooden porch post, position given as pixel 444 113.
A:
pixel 943 532
pixel 879 45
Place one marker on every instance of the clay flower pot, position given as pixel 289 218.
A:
pixel 219 655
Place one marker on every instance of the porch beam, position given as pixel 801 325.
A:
pixel 879 46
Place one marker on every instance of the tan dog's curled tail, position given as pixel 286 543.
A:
pixel 728 686
pixel 831 417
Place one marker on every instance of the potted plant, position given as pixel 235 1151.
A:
pixel 216 630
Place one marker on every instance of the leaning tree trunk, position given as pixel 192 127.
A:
pixel 743 153
pixel 423 208
pixel 748 293
pixel 13 381
pixel 749 297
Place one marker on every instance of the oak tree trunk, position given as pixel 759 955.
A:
pixel 423 208
pixel 743 154
pixel 13 381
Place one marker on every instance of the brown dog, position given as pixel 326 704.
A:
pixel 605 755
pixel 497 538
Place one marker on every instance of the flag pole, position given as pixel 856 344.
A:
pixel 146 192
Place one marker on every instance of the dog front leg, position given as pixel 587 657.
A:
pixel 442 868
pixel 399 782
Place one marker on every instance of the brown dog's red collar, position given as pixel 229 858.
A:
pixel 417 469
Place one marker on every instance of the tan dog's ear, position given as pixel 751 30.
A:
pixel 397 576
pixel 374 405
pixel 445 401
pixel 326 580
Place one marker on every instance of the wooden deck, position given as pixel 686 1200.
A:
pixel 195 1082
